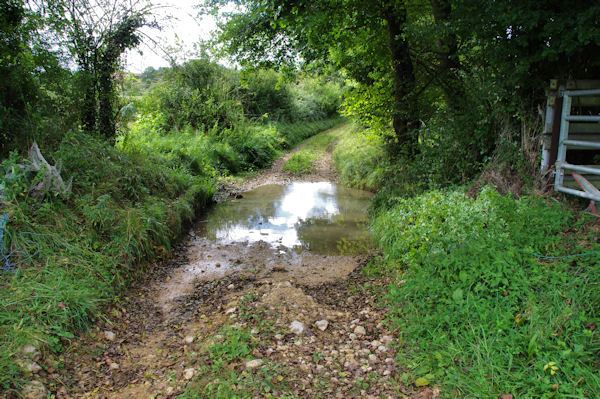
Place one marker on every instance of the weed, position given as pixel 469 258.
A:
pixel 478 312
pixel 300 163
pixel 224 379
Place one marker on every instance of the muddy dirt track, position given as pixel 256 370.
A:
pixel 315 320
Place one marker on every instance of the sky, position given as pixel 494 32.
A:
pixel 182 28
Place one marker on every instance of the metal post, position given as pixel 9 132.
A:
pixel 562 147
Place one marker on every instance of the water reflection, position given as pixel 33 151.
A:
pixel 315 216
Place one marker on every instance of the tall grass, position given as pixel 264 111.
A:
pixel 229 151
pixel 79 252
pixel 360 158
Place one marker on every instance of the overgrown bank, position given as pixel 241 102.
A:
pixel 491 295
pixel 65 257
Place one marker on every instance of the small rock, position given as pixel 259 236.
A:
pixel 360 330
pixel 188 374
pixel 230 286
pixel 189 339
pixel 32 352
pixel 322 324
pixel 386 339
pixel 35 390
pixel 32 367
pixel 297 327
pixel 252 364
pixel 109 335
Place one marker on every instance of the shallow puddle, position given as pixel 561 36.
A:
pixel 304 232
pixel 323 218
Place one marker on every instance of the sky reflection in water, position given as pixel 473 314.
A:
pixel 315 216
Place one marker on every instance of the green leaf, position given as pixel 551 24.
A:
pixel 457 295
pixel 421 382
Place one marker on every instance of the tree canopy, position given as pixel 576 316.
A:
pixel 414 60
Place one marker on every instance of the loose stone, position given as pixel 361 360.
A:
pixel 188 374
pixel 360 330
pixel 252 364
pixel 297 327
pixel 35 390
pixel 322 324
pixel 109 335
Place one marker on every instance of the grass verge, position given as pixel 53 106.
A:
pixel 302 161
pixel 65 258
pixel 477 311
pixel 360 159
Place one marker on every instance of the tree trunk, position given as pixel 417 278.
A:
pixel 405 117
pixel 89 106
pixel 106 118
pixel 447 45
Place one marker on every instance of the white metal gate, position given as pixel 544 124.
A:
pixel 588 190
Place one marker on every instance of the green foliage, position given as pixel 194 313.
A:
pixel 476 310
pixel 294 133
pixel 35 100
pixel 316 98
pixel 243 147
pixel 475 72
pixel 300 163
pixel 204 95
pixel 197 94
pixel 360 158
pixel 79 253
pixel 264 93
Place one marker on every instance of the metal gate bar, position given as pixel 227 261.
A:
pixel 564 143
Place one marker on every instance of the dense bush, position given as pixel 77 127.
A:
pixel 477 310
pixel 264 93
pixel 203 95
